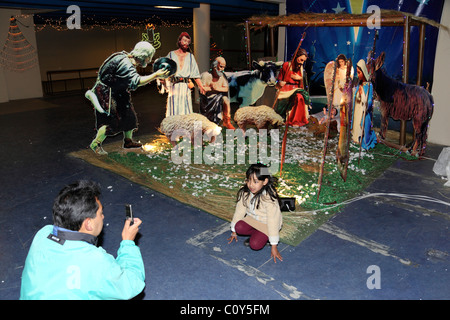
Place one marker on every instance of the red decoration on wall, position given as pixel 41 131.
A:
pixel 17 53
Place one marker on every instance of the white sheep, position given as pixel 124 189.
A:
pixel 173 127
pixel 260 116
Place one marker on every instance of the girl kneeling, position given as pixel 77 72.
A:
pixel 258 212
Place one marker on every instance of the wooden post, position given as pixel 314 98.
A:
pixel 421 53
pixel 272 50
pixel 405 76
pixel 421 57
pixel 247 43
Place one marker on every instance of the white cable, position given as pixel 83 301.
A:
pixel 287 206
pixel 405 196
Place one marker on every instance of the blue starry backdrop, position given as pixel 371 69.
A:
pixel 326 43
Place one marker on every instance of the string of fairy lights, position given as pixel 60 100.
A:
pixel 110 24
pixel 10 55
pixel 19 55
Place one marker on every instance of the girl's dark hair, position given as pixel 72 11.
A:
pixel 75 203
pixel 261 171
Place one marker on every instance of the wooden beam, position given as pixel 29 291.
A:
pixel 389 18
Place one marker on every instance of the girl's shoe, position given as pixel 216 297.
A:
pixel 247 242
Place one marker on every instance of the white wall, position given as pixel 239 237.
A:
pixel 19 85
pixel 88 48
pixel 439 131
pixel 201 19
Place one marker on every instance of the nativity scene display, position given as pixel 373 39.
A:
pixel 323 133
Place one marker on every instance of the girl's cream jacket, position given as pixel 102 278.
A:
pixel 267 218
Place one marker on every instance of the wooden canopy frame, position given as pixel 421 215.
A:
pixel 388 18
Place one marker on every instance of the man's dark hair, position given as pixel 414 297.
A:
pixel 75 203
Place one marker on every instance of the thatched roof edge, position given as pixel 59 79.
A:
pixel 306 18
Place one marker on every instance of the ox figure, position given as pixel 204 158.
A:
pixel 403 102
pixel 246 87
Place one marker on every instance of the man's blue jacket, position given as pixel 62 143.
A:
pixel 77 269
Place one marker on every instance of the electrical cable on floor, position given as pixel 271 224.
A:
pixel 413 197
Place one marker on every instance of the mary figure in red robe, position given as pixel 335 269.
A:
pixel 293 98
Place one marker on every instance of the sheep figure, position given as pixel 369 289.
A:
pixel 261 116
pixel 173 127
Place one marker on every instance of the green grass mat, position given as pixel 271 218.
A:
pixel 213 187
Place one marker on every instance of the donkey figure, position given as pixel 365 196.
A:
pixel 402 102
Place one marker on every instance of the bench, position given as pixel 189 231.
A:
pixel 73 79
